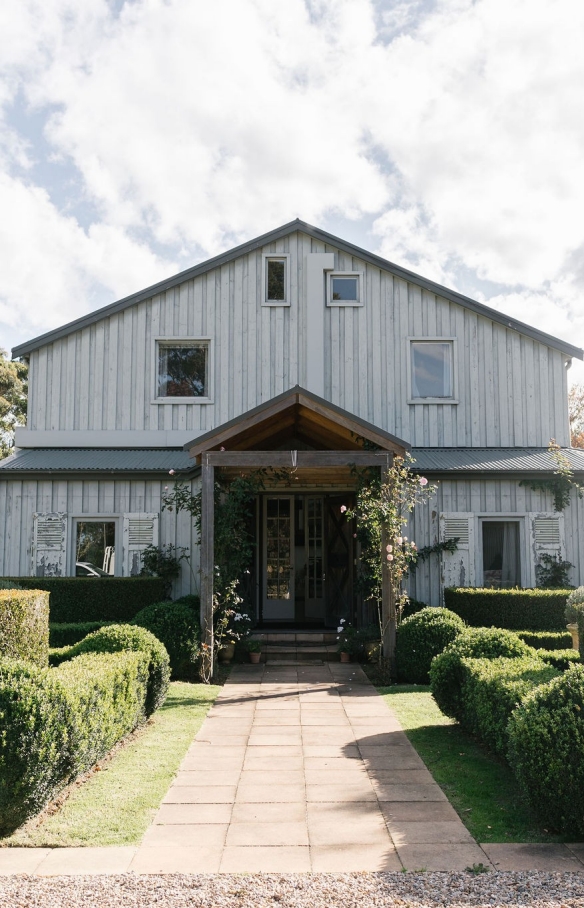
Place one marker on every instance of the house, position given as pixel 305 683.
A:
pixel 300 351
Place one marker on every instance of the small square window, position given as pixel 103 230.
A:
pixel 183 370
pixel 432 370
pixel 344 289
pixel 276 289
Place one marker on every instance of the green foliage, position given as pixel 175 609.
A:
pixel 553 573
pixel 24 625
pixel 13 400
pixel 546 639
pixel 411 607
pixel 9 585
pixel 119 637
pixel 254 646
pixel 546 743
pixel 492 689
pixel 94 599
pixel 350 639
pixel 561 483
pixel 163 561
pixel 420 638
pixel 533 610
pixel 447 673
pixel 560 658
pixel 55 723
pixel 69 633
pixel 574 605
pixel 176 626
pixel 447 545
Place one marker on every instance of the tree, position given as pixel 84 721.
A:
pixel 576 415
pixel 13 400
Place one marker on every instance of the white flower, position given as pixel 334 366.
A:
pixel 389 548
pixel 171 472
pixel 343 508
pixel 390 557
pixel 399 540
pixel 340 629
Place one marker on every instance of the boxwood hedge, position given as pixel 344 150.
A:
pixel 24 625
pixel 421 637
pixel 546 743
pixel 534 610
pixel 546 639
pixel 94 599
pixel 177 626
pixel 71 632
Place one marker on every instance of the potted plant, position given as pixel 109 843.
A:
pixel 349 644
pixel 254 648
pixel 575 614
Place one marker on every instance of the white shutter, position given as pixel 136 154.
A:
pixel 546 537
pixel 49 547
pixel 458 568
pixel 140 531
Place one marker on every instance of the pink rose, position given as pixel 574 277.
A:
pixel 423 481
pixel 390 557
pixel 343 508
pixel 399 540
pixel 389 548
pixel 171 472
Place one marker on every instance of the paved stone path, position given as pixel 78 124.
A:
pixel 299 769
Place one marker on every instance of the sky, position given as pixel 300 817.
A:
pixel 139 138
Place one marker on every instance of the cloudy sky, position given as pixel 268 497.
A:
pixel 138 138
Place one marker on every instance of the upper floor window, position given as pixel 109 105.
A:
pixel 276 280
pixel 345 288
pixel 432 370
pixel 183 369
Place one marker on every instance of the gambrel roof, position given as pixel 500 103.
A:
pixel 324 237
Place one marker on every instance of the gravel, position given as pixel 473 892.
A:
pixel 317 890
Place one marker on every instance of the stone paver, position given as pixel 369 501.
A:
pixel 295 770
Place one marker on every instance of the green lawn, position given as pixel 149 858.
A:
pixel 480 787
pixel 115 806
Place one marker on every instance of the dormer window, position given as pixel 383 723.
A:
pixel 276 280
pixel 183 369
pixel 345 288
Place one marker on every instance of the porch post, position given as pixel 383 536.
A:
pixel 207 558
pixel 388 610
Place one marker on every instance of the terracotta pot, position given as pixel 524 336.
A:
pixel 345 657
pixel 226 653
pixel 573 628
pixel 254 658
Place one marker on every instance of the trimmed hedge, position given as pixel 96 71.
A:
pixel 421 637
pixel 69 633
pixel 119 637
pixel 492 689
pixel 57 722
pixel 546 639
pixel 560 658
pixel 546 744
pixel 533 610
pixel 447 673
pixel 24 625
pixel 177 626
pixel 96 599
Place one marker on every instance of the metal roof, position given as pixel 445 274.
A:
pixel 162 460
pixel 317 234
pixel 492 460
pixel 98 460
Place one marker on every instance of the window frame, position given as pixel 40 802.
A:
pixel 359 302
pixel 524 555
pixel 277 257
pixel 453 341
pixel 202 341
pixel 74 520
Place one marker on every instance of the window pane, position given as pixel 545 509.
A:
pixel 345 288
pixel 432 369
pixel 182 371
pixel 501 562
pixel 276 279
pixel 95 546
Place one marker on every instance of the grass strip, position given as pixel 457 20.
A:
pixel 480 787
pixel 116 805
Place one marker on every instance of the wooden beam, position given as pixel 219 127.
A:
pixel 284 459
pixel 207 558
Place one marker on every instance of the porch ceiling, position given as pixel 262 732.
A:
pixel 296 416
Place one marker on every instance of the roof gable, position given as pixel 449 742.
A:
pixel 317 234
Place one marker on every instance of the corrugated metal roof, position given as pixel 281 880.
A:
pixel 104 460
pixel 161 460
pixel 489 460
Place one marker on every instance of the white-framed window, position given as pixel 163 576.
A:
pixel 95 540
pixel 431 374
pixel 182 370
pixel 275 279
pixel 344 288
pixel 502 542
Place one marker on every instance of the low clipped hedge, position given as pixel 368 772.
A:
pixel 176 625
pixel 546 639
pixel 546 744
pixel 533 610
pixel 121 637
pixel 447 673
pixel 77 599
pixel 55 723
pixel 24 625
pixel 421 637
pixel 69 633
pixel 560 658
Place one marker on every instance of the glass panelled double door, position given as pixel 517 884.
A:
pixel 301 535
